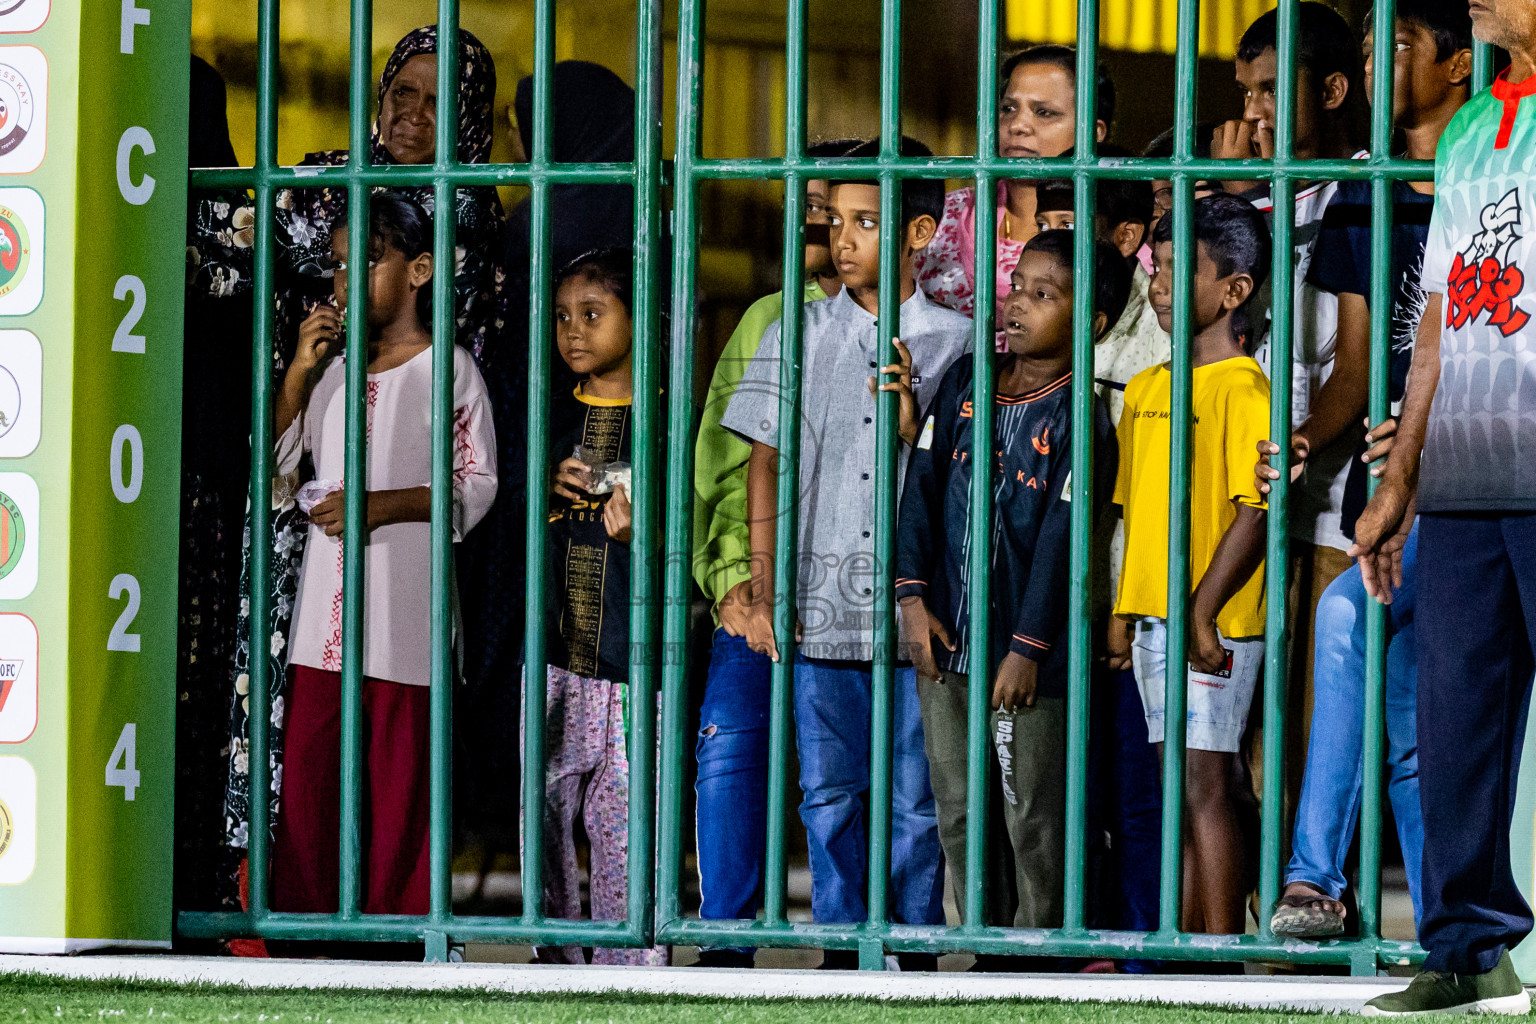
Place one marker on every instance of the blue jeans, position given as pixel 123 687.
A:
pixel 1128 799
pixel 732 786
pixel 1332 787
pixel 832 734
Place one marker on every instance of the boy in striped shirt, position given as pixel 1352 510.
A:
pixel 1030 531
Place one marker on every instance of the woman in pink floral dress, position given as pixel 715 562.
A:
pixel 1035 115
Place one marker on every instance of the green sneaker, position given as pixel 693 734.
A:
pixel 1498 991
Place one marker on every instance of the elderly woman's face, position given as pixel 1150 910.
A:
pixel 408 117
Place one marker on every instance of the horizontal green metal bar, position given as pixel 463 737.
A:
pixel 691 931
pixel 416 174
pixel 1063 167
pixel 1030 941
pixel 399 927
pixel 915 167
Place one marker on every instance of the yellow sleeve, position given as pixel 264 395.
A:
pixel 1247 423
pixel 1125 431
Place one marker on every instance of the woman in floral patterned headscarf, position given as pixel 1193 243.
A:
pixel 404 133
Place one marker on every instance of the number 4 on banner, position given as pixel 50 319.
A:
pixel 126 776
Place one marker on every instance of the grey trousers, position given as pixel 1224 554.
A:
pixel 1025 872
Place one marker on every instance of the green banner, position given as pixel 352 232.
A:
pixel 93 135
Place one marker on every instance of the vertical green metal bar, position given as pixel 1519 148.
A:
pixel 1482 67
pixel 786 558
pixel 443 342
pixel 1381 304
pixel 1079 639
pixel 260 690
pixel 1178 475
pixel 354 539
pixel 1277 553
pixel 886 452
pixel 978 758
pixel 539 327
pixel 649 252
pixel 690 86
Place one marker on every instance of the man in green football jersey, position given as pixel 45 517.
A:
pixel 1465 461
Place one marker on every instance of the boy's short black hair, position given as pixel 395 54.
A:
pixel 1449 23
pixel 399 222
pixel 1111 272
pixel 1161 148
pixel 1125 202
pixel 1054 194
pixel 920 197
pixel 1235 238
pixel 1064 57
pixel 1326 44
pixel 1119 201
pixel 613 268
pixel 832 148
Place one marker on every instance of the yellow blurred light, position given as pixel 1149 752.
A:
pixel 1139 26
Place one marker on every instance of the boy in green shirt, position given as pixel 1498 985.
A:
pixel 732 751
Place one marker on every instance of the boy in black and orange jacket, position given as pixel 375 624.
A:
pixel 1030 544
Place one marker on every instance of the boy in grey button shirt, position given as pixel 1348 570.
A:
pixel 838 568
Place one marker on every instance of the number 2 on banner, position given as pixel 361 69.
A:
pixel 120 639
pixel 123 339
pixel 120 766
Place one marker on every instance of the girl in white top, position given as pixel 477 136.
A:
pixel 310 416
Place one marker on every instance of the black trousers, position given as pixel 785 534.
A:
pixel 1476 620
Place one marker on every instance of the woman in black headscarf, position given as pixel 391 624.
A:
pixel 404 133
pixel 215 419
pixel 593 121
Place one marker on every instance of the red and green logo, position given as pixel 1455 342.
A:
pixel 15 250
pixel 13 535
pixel 10 671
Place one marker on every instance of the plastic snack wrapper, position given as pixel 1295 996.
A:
pixel 314 492
pixel 603 477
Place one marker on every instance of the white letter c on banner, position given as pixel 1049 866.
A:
pixel 134 138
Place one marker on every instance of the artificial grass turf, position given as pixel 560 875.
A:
pixel 35 998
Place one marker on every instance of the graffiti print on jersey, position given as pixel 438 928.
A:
pixel 1484 283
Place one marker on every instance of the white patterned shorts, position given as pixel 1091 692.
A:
pixel 1216 705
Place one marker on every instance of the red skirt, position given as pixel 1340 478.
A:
pixel 396 802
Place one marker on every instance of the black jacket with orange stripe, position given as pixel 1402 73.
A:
pixel 1030 536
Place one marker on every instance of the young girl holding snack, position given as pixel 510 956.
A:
pixel 586 771
pixel 310 417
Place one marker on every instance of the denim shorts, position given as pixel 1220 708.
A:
pixel 1216 705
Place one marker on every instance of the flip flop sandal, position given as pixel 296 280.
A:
pixel 1301 917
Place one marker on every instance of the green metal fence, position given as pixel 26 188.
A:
pixel 660 605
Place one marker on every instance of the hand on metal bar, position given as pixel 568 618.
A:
pixel 902 386
pixel 1382 438
pixel 1300 449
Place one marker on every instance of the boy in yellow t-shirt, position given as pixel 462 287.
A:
pixel 1226 542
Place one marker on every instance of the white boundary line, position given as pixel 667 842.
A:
pixel 34 944
pixel 1337 994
